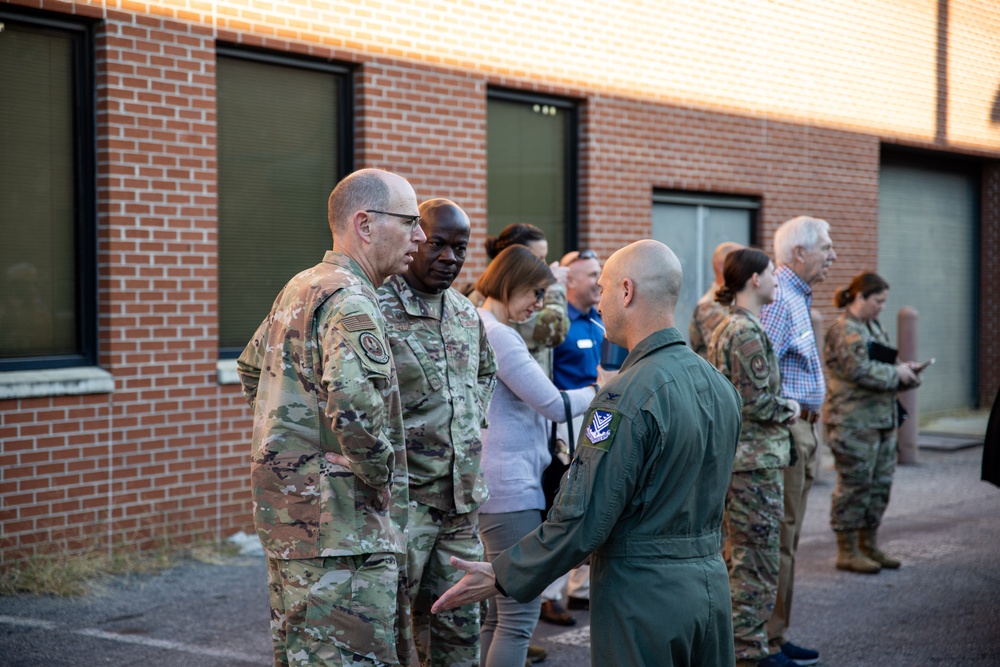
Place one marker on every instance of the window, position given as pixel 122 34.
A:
pixel 283 145
pixel 693 225
pixel 47 212
pixel 531 166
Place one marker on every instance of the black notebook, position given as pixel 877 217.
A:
pixel 879 352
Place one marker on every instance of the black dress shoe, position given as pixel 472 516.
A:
pixel 582 604
pixel 553 612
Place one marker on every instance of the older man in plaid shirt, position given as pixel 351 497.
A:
pixel 804 253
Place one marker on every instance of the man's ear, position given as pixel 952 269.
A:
pixel 628 292
pixel 362 224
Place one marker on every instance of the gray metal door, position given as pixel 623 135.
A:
pixel 927 250
pixel 693 225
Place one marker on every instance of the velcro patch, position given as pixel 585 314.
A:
pixel 360 322
pixel 373 347
pixel 751 347
pixel 759 367
pixel 601 431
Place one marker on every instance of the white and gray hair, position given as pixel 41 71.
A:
pixel 800 231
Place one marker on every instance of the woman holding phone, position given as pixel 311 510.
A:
pixel 861 418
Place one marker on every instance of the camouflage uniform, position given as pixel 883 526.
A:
pixel 860 418
pixel 707 315
pixel 320 379
pixel 447 372
pixel 739 348
pixel 545 329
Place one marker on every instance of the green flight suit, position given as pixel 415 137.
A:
pixel 644 498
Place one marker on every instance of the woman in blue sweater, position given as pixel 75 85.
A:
pixel 515 446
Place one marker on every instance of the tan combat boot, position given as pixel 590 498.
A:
pixel 869 547
pixel 849 558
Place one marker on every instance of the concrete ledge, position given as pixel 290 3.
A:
pixel 225 371
pixel 55 382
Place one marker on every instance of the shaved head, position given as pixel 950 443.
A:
pixel 640 286
pixel 719 258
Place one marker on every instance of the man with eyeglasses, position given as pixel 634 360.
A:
pixel 447 372
pixel 328 465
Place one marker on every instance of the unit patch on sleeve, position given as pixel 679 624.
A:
pixel 601 431
pixel 373 347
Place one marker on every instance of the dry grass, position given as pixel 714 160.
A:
pixel 79 572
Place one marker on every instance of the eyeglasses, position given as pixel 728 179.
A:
pixel 412 220
pixel 539 294
pixel 583 254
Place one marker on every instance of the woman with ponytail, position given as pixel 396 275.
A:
pixel 739 348
pixel 861 416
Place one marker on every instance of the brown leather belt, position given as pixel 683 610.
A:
pixel 809 416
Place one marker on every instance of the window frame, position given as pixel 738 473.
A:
pixel 81 32
pixel 571 155
pixel 345 73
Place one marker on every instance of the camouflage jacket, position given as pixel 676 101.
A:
pixel 861 392
pixel 447 372
pixel 545 329
pixel 706 316
pixel 320 378
pixel 740 350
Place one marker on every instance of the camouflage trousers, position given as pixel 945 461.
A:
pixel 755 507
pixel 865 460
pixel 345 611
pixel 450 638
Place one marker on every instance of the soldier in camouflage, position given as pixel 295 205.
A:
pixel 328 465
pixel 739 348
pixel 447 374
pixel 547 327
pixel 860 417
pixel 709 313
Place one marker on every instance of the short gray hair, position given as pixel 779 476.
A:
pixel 801 231
pixel 361 190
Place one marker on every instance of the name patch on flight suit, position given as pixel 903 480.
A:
pixel 601 430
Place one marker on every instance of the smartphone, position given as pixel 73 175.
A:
pixel 924 365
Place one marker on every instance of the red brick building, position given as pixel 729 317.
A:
pixel 165 168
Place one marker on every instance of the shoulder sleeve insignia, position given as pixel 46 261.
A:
pixel 860 350
pixel 759 366
pixel 602 428
pixel 359 322
pixel 751 347
pixel 373 347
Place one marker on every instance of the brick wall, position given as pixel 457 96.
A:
pixel 683 102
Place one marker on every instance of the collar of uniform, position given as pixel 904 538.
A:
pixel 345 262
pixel 747 314
pixel 651 343
pixel 412 303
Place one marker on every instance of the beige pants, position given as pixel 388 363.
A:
pixel 798 480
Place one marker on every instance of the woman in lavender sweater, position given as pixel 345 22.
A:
pixel 515 446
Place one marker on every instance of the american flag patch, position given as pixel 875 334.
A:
pixel 358 322
pixel 751 347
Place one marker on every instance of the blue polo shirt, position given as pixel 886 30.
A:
pixel 575 361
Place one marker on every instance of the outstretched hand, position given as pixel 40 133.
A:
pixel 477 585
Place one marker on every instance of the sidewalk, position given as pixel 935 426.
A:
pixel 941 607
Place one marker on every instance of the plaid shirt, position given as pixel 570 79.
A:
pixel 789 328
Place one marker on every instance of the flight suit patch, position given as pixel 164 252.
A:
pixel 601 430
pixel 373 347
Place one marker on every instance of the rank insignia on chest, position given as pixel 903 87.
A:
pixel 602 428
pixel 373 347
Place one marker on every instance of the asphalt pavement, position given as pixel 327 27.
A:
pixel 941 608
